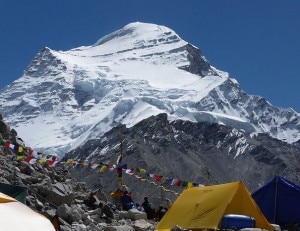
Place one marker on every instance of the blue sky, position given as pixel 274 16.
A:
pixel 256 41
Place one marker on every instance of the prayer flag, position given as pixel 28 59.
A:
pixel 119 159
pixel 103 168
pixel 179 182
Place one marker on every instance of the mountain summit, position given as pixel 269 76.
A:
pixel 65 98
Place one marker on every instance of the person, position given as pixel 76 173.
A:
pixel 161 212
pixel 139 207
pixel 148 208
pixel 116 198
pixel 168 203
pixel 92 202
pixel 126 201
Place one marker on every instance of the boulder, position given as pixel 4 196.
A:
pixel 141 225
pixel 64 211
pixel 107 211
pixel 79 226
pixel 135 214
pixel 60 193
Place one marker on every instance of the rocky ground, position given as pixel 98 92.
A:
pixel 52 192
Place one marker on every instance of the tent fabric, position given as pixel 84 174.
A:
pixel 15 191
pixel 14 215
pixel 204 208
pixel 279 200
pixel 5 198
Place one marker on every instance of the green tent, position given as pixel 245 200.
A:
pixel 14 191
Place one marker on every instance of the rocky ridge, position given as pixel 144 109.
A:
pixel 204 153
pixel 52 191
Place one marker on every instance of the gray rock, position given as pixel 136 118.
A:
pixel 78 226
pixel 119 228
pixel 178 228
pixel 107 211
pixel 60 193
pixel 135 214
pixel 142 225
pixel 93 227
pixel 75 215
pixel 88 220
pixel 64 211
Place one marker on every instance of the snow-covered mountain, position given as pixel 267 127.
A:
pixel 65 98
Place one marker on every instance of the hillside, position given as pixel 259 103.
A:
pixel 52 191
pixel 199 153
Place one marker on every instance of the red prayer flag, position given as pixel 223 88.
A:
pixel 179 182
pixel 7 144
pixel 27 159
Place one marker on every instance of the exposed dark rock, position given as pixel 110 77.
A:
pixel 203 153
pixel 198 65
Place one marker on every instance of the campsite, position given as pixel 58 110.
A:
pixel 29 193
pixel 35 192
pixel 228 206
pixel 150 115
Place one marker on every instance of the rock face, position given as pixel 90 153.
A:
pixel 53 192
pixel 203 153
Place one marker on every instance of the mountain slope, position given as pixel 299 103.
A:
pixel 65 98
pixel 202 153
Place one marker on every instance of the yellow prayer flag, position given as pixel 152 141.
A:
pixel 190 184
pixel 20 149
pixel 103 168
pixel 19 157
pixel 70 161
pixel 42 161
pixel 142 171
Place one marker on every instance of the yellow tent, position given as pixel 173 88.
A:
pixel 14 215
pixel 204 208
